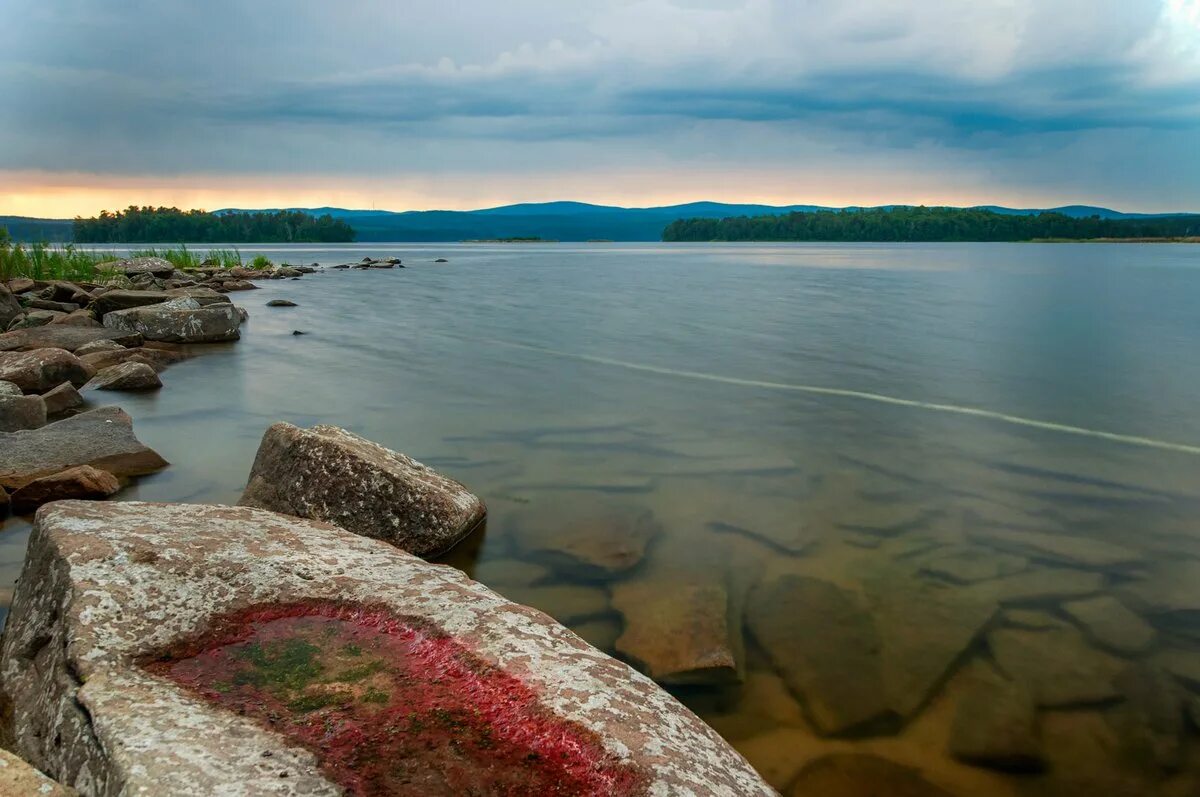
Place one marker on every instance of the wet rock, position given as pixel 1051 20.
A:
pixel 925 630
pixel 102 438
pixel 1184 665
pixel 1150 719
pixel 298 332
pixel 679 633
pixel 125 376
pixel 179 321
pixel 82 482
pixel 441 260
pixel 97 346
pixel 128 583
pixel 995 724
pixel 281 303
pixel 969 564
pixel 326 473
pixel 10 308
pixel 860 775
pixel 39 370
pixel 139 266
pixel 18 779
pixel 63 337
pixel 1057 666
pixel 62 399
pixel 238 285
pixel 284 272
pixel 826 645
pixel 586 538
pixel 1039 586
pixel 567 603
pixel 1170 586
pixel 1110 625
pixel 1061 548
pixel 21 412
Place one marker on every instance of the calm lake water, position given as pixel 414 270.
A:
pixel 898 578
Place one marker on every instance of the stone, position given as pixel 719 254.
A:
pixel 46 304
pixel 179 321
pixel 102 438
pixel 567 603
pixel 587 538
pixel 97 346
pixel 281 303
pixel 238 285
pixel 861 775
pixel 82 482
pixel 1109 624
pixel 119 299
pixel 204 296
pixel 18 779
pixel 21 412
pixel 1184 665
pixel 157 359
pixel 137 266
pixel 1150 719
pixel 33 319
pixel 1032 619
pixel 969 564
pixel 1060 548
pixel 441 260
pixel 125 376
pixel 58 336
pixel 498 573
pixel 326 473
pixel 776 522
pixel 995 724
pixel 79 318
pixel 22 285
pixel 1057 666
pixel 39 370
pixel 161 603
pixel 10 389
pixel 3 505
pixel 601 633
pixel 1039 586
pixel 62 399
pixel 678 633
pixel 1169 586
pixel 826 645
pixel 10 308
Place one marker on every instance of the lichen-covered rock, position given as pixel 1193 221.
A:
pixel 98 346
pixel 181 320
pixel 113 300
pixel 18 779
pixel 125 376
pixel 137 266
pixel 102 438
pixel 39 370
pixel 21 412
pixel 169 649
pixel 326 473
pixel 57 336
pixel 9 389
pixel 82 482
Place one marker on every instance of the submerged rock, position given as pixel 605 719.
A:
pixel 326 473
pixel 860 775
pixel 81 482
pixel 102 438
pixel 1039 586
pixel 1150 719
pixel 40 370
pixel 125 376
pixel 567 603
pixel 308 652
pixel 1057 666
pixel 587 538
pixel 1061 548
pixel 968 564
pixel 179 321
pixel 995 724
pixel 1169 586
pixel 679 633
pixel 21 412
pixel 1110 625
pixel 281 303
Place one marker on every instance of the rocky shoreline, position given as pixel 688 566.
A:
pixel 126 614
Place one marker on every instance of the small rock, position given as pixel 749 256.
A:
pixel 281 303
pixel 441 260
pixel 82 483
pixel 125 376
pixel 21 412
pixel 1110 625
pixel 42 369
pixel 995 724
pixel 862 775
pixel 62 399
pixel 298 332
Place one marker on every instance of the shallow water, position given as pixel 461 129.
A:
pixel 669 389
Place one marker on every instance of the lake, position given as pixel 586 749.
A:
pixel 914 490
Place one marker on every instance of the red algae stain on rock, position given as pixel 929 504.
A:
pixel 392 706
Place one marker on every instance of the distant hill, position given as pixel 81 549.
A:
pixel 562 221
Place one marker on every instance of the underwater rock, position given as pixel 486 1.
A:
pixel 995 724
pixel 861 775
pixel 500 573
pixel 586 538
pixel 230 650
pixel 567 603
pixel 326 473
pixel 1150 719
pixel 1110 625
pixel 968 564
pixel 1057 666
pixel 1042 585
pixel 1060 548
pixel 1169 586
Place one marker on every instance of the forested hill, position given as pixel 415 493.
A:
pixel 171 225
pixel 925 224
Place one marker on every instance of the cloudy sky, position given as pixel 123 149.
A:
pixel 404 104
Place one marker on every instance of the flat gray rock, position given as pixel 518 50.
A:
pixel 1111 625
pixel 102 438
pixel 126 608
pixel 1057 666
pixel 58 336
pixel 181 320
pixel 326 473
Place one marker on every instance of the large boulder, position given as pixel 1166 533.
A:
pixel 42 369
pixel 197 650
pixel 82 482
pixel 102 438
pixel 125 376
pixel 58 336
pixel 125 299
pixel 21 412
pixel 326 473
pixel 138 266
pixel 179 321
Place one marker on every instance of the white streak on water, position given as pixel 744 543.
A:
pixel 974 412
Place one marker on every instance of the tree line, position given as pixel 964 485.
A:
pixel 172 225
pixel 925 224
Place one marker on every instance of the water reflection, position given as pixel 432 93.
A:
pixel 1001 609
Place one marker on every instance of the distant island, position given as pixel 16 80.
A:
pixel 172 225
pixel 901 224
